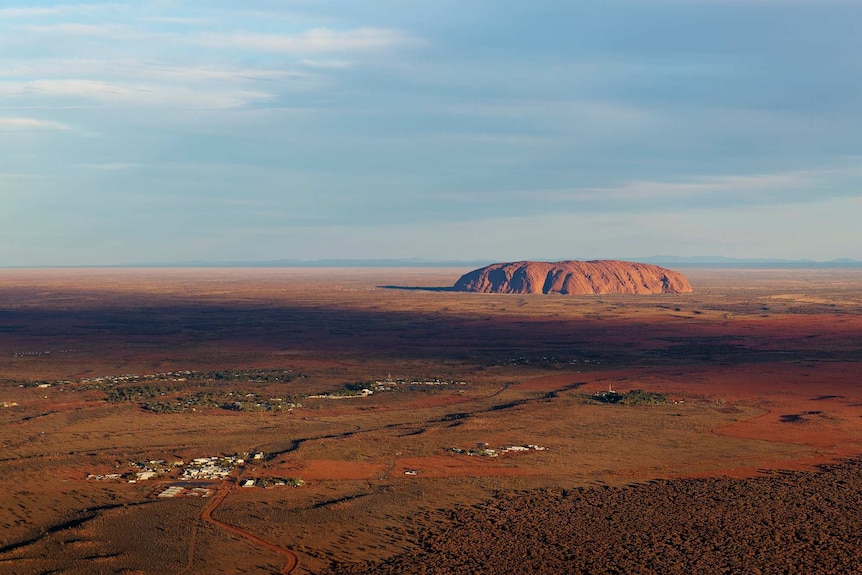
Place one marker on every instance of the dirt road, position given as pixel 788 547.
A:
pixel 291 559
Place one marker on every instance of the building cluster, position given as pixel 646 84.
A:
pixel 213 467
pixel 39 353
pixel 389 384
pixel 105 477
pixel 197 470
pixel 130 377
pixel 482 450
pixel 154 468
pixel 342 394
pixel 523 448
pixel 182 491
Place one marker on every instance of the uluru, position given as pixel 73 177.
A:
pixel 573 278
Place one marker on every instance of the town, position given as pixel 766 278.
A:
pixel 482 450
pixel 196 477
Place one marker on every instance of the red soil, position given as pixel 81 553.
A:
pixel 323 469
pixel 817 405
pixel 458 465
pixel 291 559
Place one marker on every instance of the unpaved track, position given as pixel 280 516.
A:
pixel 191 560
pixel 291 559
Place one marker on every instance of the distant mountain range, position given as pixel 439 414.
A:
pixel 721 261
pixel 666 261
pixel 330 263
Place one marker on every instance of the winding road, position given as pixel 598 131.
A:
pixel 291 559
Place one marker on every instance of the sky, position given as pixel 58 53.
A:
pixel 159 131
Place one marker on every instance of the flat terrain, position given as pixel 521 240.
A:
pixel 480 445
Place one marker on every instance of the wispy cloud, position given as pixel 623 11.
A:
pixel 582 129
pixel 216 73
pixel 779 188
pixel 108 93
pixel 135 69
pixel 108 31
pixel 38 12
pixel 492 138
pixel 698 187
pixel 317 40
pixel 326 64
pixel 608 113
pixel 127 82
pixel 26 124
pixel 112 166
pixel 178 20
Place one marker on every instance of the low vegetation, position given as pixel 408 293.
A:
pixel 633 397
pixel 789 522
pixel 380 486
pixel 267 482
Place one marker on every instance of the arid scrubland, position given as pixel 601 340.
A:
pixel 411 421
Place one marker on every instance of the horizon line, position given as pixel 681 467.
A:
pixel 703 261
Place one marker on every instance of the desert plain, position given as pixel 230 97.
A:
pixel 373 421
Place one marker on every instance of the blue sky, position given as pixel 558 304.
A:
pixel 179 130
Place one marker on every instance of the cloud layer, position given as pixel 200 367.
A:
pixel 260 130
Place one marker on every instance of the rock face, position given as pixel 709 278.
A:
pixel 573 278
